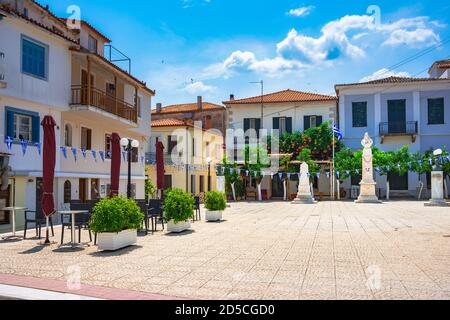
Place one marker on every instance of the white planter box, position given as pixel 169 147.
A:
pixel 116 241
pixel 178 227
pixel 213 215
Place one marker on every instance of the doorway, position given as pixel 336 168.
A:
pixel 397 116
pixel 82 190
pixel 84 86
pixel 277 187
pixel 397 182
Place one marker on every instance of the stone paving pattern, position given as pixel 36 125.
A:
pixel 331 250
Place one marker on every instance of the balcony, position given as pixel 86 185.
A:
pixel 169 159
pixel 392 129
pixel 100 102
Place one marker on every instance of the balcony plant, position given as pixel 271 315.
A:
pixel 215 204
pixel 116 221
pixel 178 210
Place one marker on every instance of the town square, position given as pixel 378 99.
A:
pixel 200 160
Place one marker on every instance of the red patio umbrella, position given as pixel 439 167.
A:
pixel 48 168
pixel 116 157
pixel 160 165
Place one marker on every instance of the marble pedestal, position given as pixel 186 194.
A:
pixel 304 198
pixel 437 190
pixel 368 193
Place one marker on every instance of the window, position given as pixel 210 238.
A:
pixel 202 184
pixel 207 122
pixel 22 124
pixel 312 121
pixel 108 149
pixel 86 138
pixel 25 12
pixel 68 135
pixel 283 124
pixel 135 155
pixel 92 44
pixel 359 113
pixel 138 105
pixel 34 58
pixel 436 111
pixel 172 142
pixel 168 181
pixel 193 187
pixel 67 191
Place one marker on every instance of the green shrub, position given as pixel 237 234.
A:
pixel 215 201
pixel 113 215
pixel 178 206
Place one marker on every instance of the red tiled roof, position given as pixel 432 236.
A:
pixel 9 10
pixel 169 123
pixel 284 96
pixel 90 26
pixel 188 107
pixel 444 64
pixel 392 80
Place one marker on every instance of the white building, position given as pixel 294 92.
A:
pixel 45 68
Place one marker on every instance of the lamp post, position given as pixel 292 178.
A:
pixel 209 160
pixel 128 145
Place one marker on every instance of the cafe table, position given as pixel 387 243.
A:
pixel 12 211
pixel 73 214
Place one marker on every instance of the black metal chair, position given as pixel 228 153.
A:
pixel 38 219
pixel 143 205
pixel 197 214
pixel 155 211
pixel 81 220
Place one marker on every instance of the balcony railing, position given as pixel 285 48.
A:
pixel 407 128
pixel 103 101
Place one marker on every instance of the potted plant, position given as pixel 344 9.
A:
pixel 178 210
pixel 215 203
pixel 116 221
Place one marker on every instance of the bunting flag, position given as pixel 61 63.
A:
pixel 338 174
pixel 239 171
pixel 84 153
pixel 430 161
pixel 94 155
pixel 378 169
pixel 410 165
pixel 74 152
pixel 108 154
pixel 318 175
pixel 347 172
pixel 38 146
pixel 102 155
pixel 388 168
pixel 357 171
pixel 271 174
pixel 289 176
pixel 24 145
pixel 420 162
pixel 247 173
pixel 124 155
pixel 399 166
pixel 9 142
pixel 328 174
pixel 64 152
pixel 280 175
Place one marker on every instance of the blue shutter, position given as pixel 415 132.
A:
pixel 306 122
pixel 9 123
pixel 276 123
pixel 246 125
pixel 36 128
pixel 33 58
pixel 319 120
pixel 289 124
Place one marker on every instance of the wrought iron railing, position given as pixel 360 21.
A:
pixel 398 128
pixel 103 101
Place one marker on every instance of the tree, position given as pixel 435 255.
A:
pixel 285 164
pixel 256 159
pixel 150 189
pixel 231 176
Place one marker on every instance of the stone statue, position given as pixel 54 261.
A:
pixel 368 184
pixel 304 195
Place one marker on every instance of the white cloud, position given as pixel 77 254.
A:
pixel 383 74
pixel 198 87
pixel 300 12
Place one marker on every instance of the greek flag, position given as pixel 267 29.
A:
pixel 337 132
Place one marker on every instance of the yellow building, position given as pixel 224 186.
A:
pixel 187 150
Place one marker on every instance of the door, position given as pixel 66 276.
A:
pixel 397 182
pixel 397 116
pixel 84 84
pixel 277 187
pixel 82 189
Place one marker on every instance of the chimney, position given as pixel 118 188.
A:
pixel 231 97
pixel 158 107
pixel 199 103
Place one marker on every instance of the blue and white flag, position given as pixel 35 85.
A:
pixel 271 174
pixel 430 161
pixel 328 174
pixel 399 166
pixel 338 174
pixel 24 144
pixel 124 155
pixel 289 176
pixel 337 132
pixel 9 142
pixel 38 146
pixel 378 169
pixel 94 155
pixel 64 152
pixel 84 153
pixel 102 155
pixel 109 154
pixel 357 171
pixel 347 172
pixel 388 168
pixel 280 175
pixel 247 173
pixel 318 175
pixel 74 152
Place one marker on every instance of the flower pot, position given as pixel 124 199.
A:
pixel 178 227
pixel 116 241
pixel 213 215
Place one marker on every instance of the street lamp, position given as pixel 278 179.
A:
pixel 128 145
pixel 208 161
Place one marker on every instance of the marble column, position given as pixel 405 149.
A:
pixel 368 184
pixel 304 195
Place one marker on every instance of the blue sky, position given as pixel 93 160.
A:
pixel 185 48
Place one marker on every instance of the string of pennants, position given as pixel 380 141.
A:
pixel 220 170
pixel 95 155
pixel 183 167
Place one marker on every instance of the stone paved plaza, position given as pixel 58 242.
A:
pixel 332 250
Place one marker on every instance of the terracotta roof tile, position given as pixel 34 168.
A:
pixel 188 107
pixel 392 80
pixel 169 123
pixel 284 96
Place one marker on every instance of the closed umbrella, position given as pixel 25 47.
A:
pixel 115 165
pixel 160 165
pixel 48 169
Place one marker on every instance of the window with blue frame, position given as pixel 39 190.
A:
pixel 436 111
pixel 359 114
pixel 34 58
pixel 22 125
